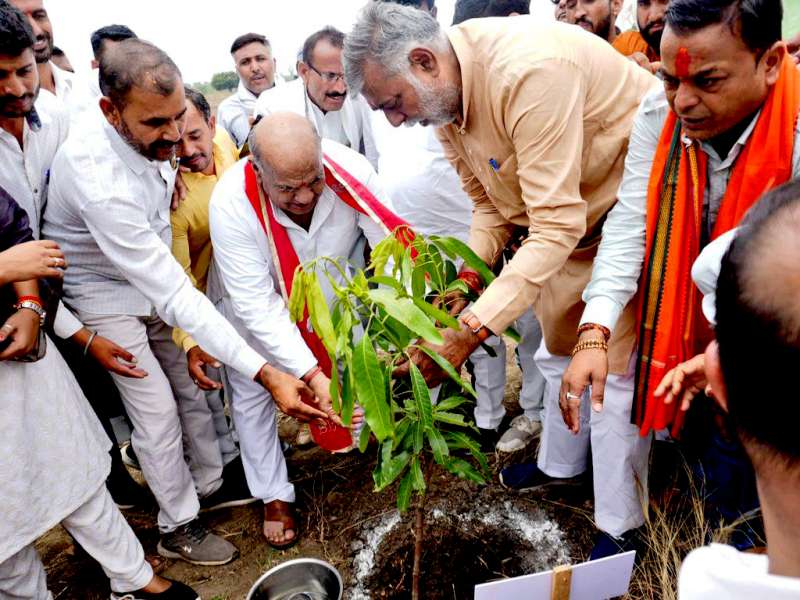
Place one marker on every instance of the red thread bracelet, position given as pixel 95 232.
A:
pixel 34 299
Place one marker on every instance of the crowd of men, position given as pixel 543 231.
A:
pixel 632 190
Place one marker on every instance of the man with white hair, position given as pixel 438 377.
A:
pixel 535 117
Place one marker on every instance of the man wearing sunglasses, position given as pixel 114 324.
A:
pixel 320 94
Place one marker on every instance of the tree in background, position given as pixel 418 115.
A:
pixel 227 80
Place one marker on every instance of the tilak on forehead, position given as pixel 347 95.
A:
pixel 682 62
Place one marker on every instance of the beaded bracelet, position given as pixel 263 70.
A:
pixel 590 345
pixel 589 326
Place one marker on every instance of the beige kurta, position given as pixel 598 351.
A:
pixel 547 112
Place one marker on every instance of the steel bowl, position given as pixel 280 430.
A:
pixel 299 579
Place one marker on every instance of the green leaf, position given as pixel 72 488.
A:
pixel 436 314
pixel 418 282
pixel 386 281
pixel 363 438
pixel 417 478
pixel 449 418
pixel 438 445
pixel 404 493
pixel 460 440
pixel 461 468
pixel 392 468
pixel 471 259
pixel 406 269
pixel 459 285
pixel 448 368
pixel 450 403
pixel 450 271
pixel 405 311
pixel 403 434
pixel 422 397
pixel 334 390
pixel 370 387
pixel 297 299
pixel 348 399
pixel 320 315
pixel 419 437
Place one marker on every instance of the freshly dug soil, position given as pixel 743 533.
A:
pixel 470 538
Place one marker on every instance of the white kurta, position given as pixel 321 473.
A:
pixel 719 571
pixel 53 450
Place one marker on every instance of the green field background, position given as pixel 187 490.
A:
pixel 791 17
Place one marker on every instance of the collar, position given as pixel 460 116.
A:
pixel 245 94
pixel 62 78
pixel 735 150
pixel 465 57
pixel 135 161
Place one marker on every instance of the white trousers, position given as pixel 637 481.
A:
pixel 99 527
pixel 171 417
pixel 619 454
pixel 254 416
pixel 490 375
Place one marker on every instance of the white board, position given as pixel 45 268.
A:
pixel 596 580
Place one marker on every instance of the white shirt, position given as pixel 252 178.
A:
pixel 26 173
pixel 717 571
pixel 620 257
pixel 351 125
pixel 243 259
pixel 424 186
pixel 64 81
pixel 109 211
pixel 234 113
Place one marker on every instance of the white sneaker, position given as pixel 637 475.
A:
pixel 521 432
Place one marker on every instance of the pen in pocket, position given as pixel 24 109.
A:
pixel 494 165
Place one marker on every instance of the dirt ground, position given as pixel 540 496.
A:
pixel 338 509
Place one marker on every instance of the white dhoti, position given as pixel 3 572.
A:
pixel 619 454
pixel 171 417
pixel 254 416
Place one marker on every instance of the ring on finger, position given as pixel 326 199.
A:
pixel 571 396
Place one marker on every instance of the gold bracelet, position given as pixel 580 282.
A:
pixel 590 345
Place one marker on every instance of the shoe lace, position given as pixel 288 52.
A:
pixel 195 531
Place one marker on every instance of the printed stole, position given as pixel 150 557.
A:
pixel 670 326
pixel 350 191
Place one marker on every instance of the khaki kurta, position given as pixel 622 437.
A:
pixel 548 109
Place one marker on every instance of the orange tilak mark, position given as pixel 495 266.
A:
pixel 682 62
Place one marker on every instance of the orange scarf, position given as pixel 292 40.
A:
pixel 670 320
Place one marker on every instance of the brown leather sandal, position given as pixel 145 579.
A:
pixel 283 513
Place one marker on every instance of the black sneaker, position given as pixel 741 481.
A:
pixel 125 491
pixel 527 476
pixel 195 544
pixel 177 591
pixel 232 492
pixel 606 544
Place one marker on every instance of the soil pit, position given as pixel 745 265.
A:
pixel 468 540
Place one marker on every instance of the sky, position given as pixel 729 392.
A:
pixel 197 34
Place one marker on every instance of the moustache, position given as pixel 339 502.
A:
pixel 336 94
pixel 185 160
pixel 650 26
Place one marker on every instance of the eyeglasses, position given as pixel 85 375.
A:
pixel 327 76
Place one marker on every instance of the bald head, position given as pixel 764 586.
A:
pixel 136 63
pixel 758 327
pixel 287 153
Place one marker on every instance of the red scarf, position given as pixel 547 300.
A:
pixel 671 327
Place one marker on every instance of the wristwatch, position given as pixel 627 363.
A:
pixel 35 307
pixel 478 328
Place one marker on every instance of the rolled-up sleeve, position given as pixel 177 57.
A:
pixel 256 302
pixel 128 241
pixel 543 116
pixel 619 260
